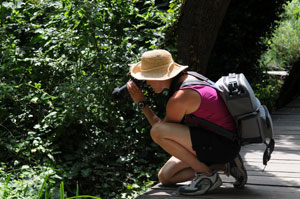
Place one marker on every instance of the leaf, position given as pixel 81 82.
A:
pixel 26 190
pixel 42 187
pixel 62 191
pixel 51 157
pixel 7 4
pixel 6 186
pixel 34 100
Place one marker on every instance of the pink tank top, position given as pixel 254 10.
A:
pixel 212 108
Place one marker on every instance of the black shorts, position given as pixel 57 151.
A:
pixel 212 148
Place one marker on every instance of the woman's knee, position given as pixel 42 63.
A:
pixel 157 131
pixel 163 179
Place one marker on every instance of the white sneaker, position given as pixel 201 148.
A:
pixel 201 184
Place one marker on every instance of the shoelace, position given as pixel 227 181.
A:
pixel 193 183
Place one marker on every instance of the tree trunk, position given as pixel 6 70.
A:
pixel 198 27
pixel 291 86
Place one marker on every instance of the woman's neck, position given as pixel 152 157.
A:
pixel 175 83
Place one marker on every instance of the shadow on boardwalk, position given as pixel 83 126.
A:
pixel 280 179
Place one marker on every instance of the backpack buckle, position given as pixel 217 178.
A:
pixel 233 89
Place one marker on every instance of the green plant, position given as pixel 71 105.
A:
pixel 60 61
pixel 9 191
pixel 284 43
pixel 268 92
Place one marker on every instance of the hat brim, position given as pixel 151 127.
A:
pixel 137 73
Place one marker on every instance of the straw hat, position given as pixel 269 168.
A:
pixel 156 65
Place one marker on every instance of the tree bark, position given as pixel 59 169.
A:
pixel 198 27
pixel 291 86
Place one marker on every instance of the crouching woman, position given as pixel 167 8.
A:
pixel 197 153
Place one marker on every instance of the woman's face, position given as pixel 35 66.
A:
pixel 158 85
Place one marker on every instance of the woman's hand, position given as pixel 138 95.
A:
pixel 135 92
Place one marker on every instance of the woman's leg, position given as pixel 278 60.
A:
pixel 174 171
pixel 175 139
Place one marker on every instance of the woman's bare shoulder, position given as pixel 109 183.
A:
pixel 186 99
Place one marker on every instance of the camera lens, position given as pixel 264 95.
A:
pixel 123 92
pixel 120 92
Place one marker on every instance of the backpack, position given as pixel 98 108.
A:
pixel 253 120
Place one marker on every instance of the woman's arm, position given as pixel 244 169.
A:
pixel 181 103
pixel 137 96
pixel 150 115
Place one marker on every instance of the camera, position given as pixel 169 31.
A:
pixel 123 92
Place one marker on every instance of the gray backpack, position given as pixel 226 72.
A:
pixel 253 120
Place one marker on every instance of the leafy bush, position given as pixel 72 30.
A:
pixel 284 43
pixel 282 50
pixel 268 91
pixel 27 182
pixel 60 61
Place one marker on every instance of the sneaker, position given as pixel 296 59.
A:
pixel 201 184
pixel 236 169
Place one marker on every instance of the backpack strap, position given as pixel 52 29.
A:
pixel 194 82
pixel 202 80
pixel 201 77
pixel 216 128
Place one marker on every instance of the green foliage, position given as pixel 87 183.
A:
pixel 268 91
pixel 284 43
pixel 26 182
pixel 34 180
pixel 60 61
pixel 282 50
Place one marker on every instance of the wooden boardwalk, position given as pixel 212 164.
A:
pixel 280 179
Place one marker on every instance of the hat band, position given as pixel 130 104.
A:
pixel 152 69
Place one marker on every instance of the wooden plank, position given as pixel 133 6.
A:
pixel 281 124
pixel 291 145
pixel 274 161
pixel 293 148
pixel 288 111
pixel 272 168
pixel 285 132
pixel 268 180
pixel 260 147
pixel 285 180
pixel 276 155
pixel 226 191
pixel 285 117
pixel 278 151
pixel 287 127
pixel 278 73
pixel 279 146
pixel 293 138
pixel 287 138
pixel 274 174
pixel 280 179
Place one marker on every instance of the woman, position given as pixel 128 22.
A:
pixel 197 153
